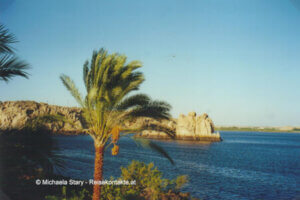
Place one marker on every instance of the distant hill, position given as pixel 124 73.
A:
pixel 284 129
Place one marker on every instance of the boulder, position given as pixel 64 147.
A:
pixel 186 125
pixel 193 127
pixel 204 125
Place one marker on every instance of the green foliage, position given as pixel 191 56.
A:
pixel 108 81
pixel 148 179
pixel 30 151
pixel 146 143
pixel 72 195
pixel 6 39
pixel 181 181
pixel 39 122
pixel 10 65
pixel 27 153
pixel 149 183
pixel 112 192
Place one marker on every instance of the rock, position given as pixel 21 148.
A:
pixel 204 125
pixel 164 129
pixel 190 127
pixel 15 114
pixel 186 125
pixel 193 127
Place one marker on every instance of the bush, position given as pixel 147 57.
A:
pixel 43 121
pixel 26 152
pixel 24 156
pixel 149 183
pixel 81 195
pixel 149 186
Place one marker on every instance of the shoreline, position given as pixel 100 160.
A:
pixel 257 130
pixel 180 138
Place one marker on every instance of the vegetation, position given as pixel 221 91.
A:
pixel 40 122
pixel 149 185
pixel 27 154
pixel 109 80
pixel 10 65
pixel 83 194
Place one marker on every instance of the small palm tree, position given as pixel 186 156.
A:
pixel 10 65
pixel 108 81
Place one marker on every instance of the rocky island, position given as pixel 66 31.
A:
pixel 15 114
pixel 190 127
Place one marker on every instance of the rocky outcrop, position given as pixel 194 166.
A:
pixel 186 125
pixel 190 127
pixel 164 129
pixel 196 127
pixel 15 114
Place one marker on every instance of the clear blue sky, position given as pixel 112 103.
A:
pixel 239 61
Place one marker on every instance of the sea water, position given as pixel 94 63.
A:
pixel 245 165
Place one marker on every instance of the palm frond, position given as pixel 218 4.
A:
pixel 30 149
pixel 70 85
pixel 6 39
pixel 133 101
pixel 154 109
pixel 86 74
pixel 11 66
pixel 131 83
pixel 146 143
pixel 108 81
pixel 119 64
pixel 159 128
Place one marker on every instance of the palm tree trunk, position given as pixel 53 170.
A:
pixel 99 154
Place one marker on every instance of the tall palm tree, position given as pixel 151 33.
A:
pixel 108 81
pixel 10 65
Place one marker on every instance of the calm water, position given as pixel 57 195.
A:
pixel 243 166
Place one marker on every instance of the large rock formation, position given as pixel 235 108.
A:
pixel 196 127
pixel 164 129
pixel 15 114
pixel 190 127
pixel 186 125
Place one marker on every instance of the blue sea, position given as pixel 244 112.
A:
pixel 244 166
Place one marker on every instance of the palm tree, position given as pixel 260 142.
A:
pixel 108 81
pixel 10 65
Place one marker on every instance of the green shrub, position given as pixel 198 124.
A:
pixel 25 155
pixel 81 195
pixel 23 152
pixel 149 185
pixel 40 122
